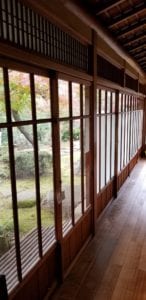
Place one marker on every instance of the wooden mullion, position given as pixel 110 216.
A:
pixel 36 160
pixel 71 155
pixel 13 176
pixel 82 148
pixel 56 172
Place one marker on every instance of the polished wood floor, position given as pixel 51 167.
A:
pixel 113 266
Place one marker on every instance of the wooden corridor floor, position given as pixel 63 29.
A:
pixel 113 265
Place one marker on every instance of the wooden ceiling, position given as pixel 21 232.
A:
pixel 126 21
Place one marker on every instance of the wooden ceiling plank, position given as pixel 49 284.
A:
pixel 131 29
pixel 106 7
pixel 140 54
pixel 127 16
pixel 143 46
pixel 133 40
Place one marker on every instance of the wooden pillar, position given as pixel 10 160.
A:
pixel 93 130
pixel 116 144
pixel 57 175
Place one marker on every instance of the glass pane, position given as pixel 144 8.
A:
pixel 108 102
pixel 102 175
pixel 122 141
pixel 77 168
pixel 7 239
pixel 108 148
pixel 113 102
pixel 120 97
pixel 86 162
pixel 20 96
pixel 119 144
pixel 86 100
pixel 65 174
pixel 125 142
pixel 26 196
pixel 128 135
pixel 75 99
pixel 98 162
pixel 123 102
pixel 113 147
pixel 42 97
pixel 97 99
pixel 102 102
pixel 44 132
pixel 63 91
pixel 2 100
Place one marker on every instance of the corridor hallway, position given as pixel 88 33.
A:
pixel 113 266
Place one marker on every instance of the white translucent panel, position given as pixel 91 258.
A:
pixel 108 148
pixel 97 152
pixel 108 99
pixel 102 151
pixel 102 101
pixel 119 144
pixel 120 96
pixel 128 135
pixel 125 143
pixel 113 147
pixel 97 101
pixel 113 102
pixel 86 154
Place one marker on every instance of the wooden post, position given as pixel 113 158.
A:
pixel 3 288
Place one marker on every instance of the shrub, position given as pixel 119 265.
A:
pixel 26 204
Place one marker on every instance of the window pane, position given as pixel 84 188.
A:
pixel 75 99
pixel 20 96
pixel 108 102
pixel 77 168
pixel 102 102
pixel 2 100
pixel 26 196
pixel 65 174
pixel 97 99
pixel 7 239
pixel 119 144
pixel 120 96
pixel 108 148
pixel 86 163
pixel 44 132
pixel 98 162
pixel 102 175
pixel 42 97
pixel 113 147
pixel 113 102
pixel 86 100
pixel 63 91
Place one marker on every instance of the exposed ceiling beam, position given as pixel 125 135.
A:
pixel 127 15
pixel 103 8
pixel 137 48
pixel 136 39
pixel 139 53
pixel 131 28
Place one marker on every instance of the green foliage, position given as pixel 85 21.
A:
pixel 65 135
pixel 26 203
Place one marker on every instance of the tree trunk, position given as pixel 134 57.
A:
pixel 22 128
